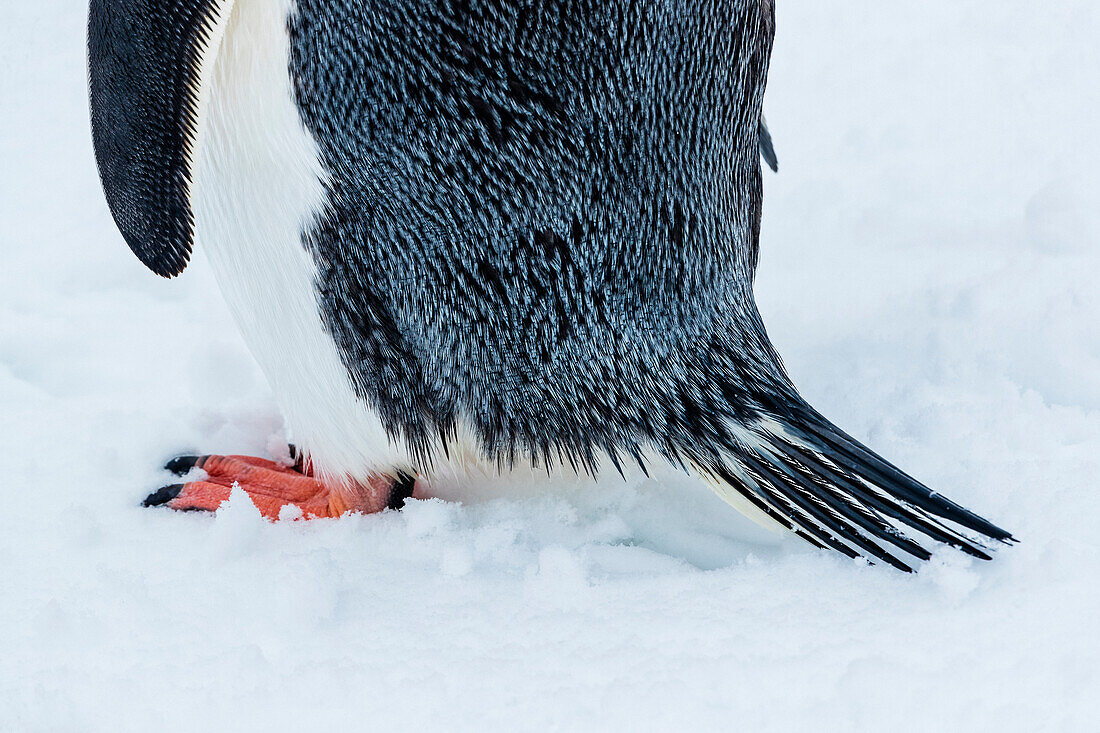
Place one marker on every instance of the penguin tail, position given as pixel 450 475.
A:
pixel 794 468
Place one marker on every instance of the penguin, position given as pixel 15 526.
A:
pixel 525 229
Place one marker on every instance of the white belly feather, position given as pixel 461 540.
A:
pixel 259 184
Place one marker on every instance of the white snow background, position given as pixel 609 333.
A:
pixel 929 271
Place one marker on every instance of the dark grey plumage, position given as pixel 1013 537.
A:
pixel 544 215
pixel 542 222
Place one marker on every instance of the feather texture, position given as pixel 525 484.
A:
pixel 149 64
pixel 529 223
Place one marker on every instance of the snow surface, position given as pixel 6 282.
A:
pixel 929 272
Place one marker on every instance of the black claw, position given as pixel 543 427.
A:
pixel 180 465
pixel 298 457
pixel 402 490
pixel 163 495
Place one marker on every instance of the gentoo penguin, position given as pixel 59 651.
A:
pixel 527 224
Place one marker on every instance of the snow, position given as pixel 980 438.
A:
pixel 929 266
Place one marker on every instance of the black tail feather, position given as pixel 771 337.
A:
pixel 881 472
pixel 886 506
pixel 853 511
pixel 813 504
pixel 806 474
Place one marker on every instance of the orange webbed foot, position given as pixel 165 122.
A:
pixel 273 487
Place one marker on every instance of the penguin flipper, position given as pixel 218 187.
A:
pixel 767 146
pixel 149 65
pixel 801 471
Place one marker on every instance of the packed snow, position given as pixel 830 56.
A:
pixel 929 271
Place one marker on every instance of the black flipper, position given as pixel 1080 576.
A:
pixel 147 60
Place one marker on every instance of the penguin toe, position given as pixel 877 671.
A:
pixel 180 465
pixel 163 495
pixel 273 486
